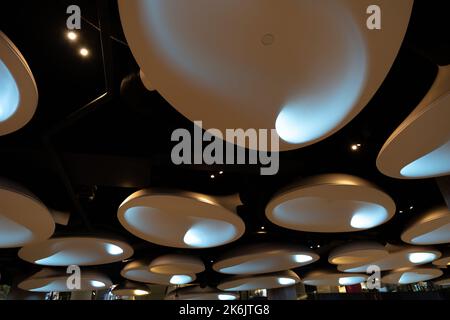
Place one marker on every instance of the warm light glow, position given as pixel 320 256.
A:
pixel 72 36
pixel 286 281
pixel 180 279
pixel 97 284
pixel 84 52
pixel 113 249
pixel 355 147
pixel 421 257
pixel 138 292
pixel 302 258
pixel 226 297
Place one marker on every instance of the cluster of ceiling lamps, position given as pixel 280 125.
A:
pixel 191 71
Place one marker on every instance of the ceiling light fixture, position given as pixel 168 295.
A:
pixel 139 292
pixel 180 279
pixel 113 249
pixel 421 257
pixel 18 91
pixel 355 147
pixel 302 258
pixel 286 281
pixel 97 284
pixel 226 297
pixel 84 52
pixel 72 36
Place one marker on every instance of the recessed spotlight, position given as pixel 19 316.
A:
pixel 355 147
pixel 411 207
pixel 262 228
pixel 318 246
pixel 220 172
pixel 72 36
pixel 401 211
pixel 212 176
pixel 84 52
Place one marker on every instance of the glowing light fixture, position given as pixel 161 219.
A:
pixel 113 249
pixel 305 95
pixel 139 292
pixel 330 203
pixel 302 258
pixel 180 279
pixel 18 91
pixel 421 257
pixel 83 251
pixel 97 284
pixel 72 36
pixel 370 217
pixel 348 281
pixel 286 281
pixel 84 52
pixel 226 297
pixel 204 222
pixel 420 146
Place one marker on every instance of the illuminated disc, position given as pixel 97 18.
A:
pixel 331 203
pixel 411 275
pixel 330 278
pixel 24 219
pixel 49 280
pixel 420 147
pixel 264 258
pixel 82 251
pixel 198 293
pixel 357 252
pixel 139 271
pixel 172 264
pixel 433 227
pixel 263 281
pixel 265 66
pixel 18 91
pixel 181 219
pixel 403 257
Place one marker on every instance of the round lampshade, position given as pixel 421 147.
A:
pixel 181 219
pixel 330 203
pixel 82 251
pixel 241 59
pixel 18 91
pixel 264 258
pixel 24 219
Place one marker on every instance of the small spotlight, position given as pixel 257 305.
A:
pixel 84 52
pixel 213 176
pixel 72 36
pixel 401 211
pixel 220 172
pixel 355 147
pixel 411 207
pixel 318 246
pixel 262 228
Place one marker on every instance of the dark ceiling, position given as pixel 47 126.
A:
pixel 87 158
